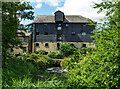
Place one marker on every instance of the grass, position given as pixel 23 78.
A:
pixel 18 73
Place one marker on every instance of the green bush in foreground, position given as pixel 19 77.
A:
pixel 101 69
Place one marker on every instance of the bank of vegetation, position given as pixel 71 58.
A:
pixel 97 67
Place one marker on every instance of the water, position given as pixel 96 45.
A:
pixel 56 70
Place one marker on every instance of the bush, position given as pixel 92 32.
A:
pixel 52 55
pixel 67 49
pixel 65 62
pixel 83 50
pixel 57 55
pixel 42 52
pixel 14 68
pixel 44 62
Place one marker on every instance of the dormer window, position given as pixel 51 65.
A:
pixel 83 33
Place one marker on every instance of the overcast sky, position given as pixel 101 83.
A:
pixel 69 7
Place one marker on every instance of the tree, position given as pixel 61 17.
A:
pixel 12 12
pixel 67 49
pixel 102 67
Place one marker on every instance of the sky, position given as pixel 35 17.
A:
pixel 69 7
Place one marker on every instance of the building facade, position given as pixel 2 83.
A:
pixel 26 42
pixel 49 31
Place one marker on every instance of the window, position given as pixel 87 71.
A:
pixel 84 25
pixel 58 45
pixel 37 44
pixel 59 24
pixel 59 28
pixel 73 33
pixel 37 33
pixel 45 24
pixel 84 45
pixel 67 25
pixel 46 45
pixel 46 33
pixel 25 39
pixel 59 37
pixel 24 50
pixel 72 45
pixel 83 33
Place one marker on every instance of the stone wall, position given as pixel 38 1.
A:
pixel 52 46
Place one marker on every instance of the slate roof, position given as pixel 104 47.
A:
pixel 68 19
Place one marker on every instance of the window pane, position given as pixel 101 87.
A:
pixel 73 33
pixel 59 24
pixel 59 28
pixel 83 33
pixel 67 25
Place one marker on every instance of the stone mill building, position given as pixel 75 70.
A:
pixel 49 31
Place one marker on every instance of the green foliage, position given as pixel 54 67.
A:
pixel 101 68
pixel 83 50
pixel 44 62
pixel 52 55
pixel 67 49
pixel 42 52
pixel 65 62
pixel 57 55
pixel 11 13
pixel 14 68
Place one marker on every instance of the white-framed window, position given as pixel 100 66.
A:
pixel 59 28
pixel 83 33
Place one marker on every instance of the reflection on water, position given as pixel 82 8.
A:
pixel 56 70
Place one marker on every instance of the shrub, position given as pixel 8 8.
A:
pixel 65 62
pixel 83 50
pixel 52 55
pixel 42 52
pixel 67 49
pixel 44 61
pixel 59 55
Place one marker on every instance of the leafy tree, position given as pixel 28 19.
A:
pixel 101 68
pixel 67 49
pixel 12 12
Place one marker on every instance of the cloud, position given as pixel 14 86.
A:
pixel 38 5
pixel 52 2
pixel 81 7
